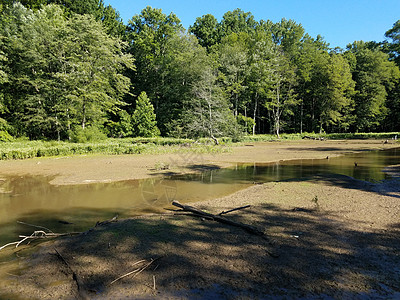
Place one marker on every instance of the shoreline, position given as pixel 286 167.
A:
pixel 108 168
pixel 331 236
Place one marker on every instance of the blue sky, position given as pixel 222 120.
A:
pixel 340 22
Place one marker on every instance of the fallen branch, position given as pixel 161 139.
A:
pixel 114 219
pixel 218 218
pixel 234 209
pixel 78 281
pixel 40 234
pixel 40 227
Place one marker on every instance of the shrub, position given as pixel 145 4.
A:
pixel 5 136
pixel 89 134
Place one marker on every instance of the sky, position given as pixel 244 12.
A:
pixel 340 22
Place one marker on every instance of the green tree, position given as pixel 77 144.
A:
pixel 97 62
pixel 237 21
pixel 311 52
pixel 111 20
pixel 209 114
pixel 287 34
pixel 79 6
pixel 3 79
pixel 148 34
pixel 394 46
pixel 143 119
pixel 233 58
pixel 257 80
pixel 66 71
pixel 32 4
pixel 205 28
pixel 374 74
pixel 332 90
pixel 281 80
pixel 182 67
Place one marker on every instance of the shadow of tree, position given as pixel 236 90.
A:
pixel 319 256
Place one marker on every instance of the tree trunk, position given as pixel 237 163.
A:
pixel 254 115
pixel 301 118
pixel 83 116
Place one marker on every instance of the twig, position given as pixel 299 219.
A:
pixel 9 244
pixel 127 274
pixel 79 283
pixel 154 282
pixel 41 227
pixel 114 219
pixel 39 234
pixel 137 271
pixel 234 209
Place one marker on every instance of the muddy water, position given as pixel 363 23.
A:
pixel 33 200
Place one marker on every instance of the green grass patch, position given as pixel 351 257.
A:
pixel 23 149
pixel 330 136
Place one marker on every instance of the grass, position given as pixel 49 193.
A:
pixel 23 149
pixel 330 136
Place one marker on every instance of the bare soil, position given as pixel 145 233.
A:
pixel 327 237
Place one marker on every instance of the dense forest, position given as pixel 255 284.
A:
pixel 71 68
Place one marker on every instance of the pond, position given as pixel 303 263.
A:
pixel 69 208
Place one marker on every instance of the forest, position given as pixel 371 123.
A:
pixel 72 70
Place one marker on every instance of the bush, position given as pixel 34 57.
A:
pixel 5 136
pixel 89 134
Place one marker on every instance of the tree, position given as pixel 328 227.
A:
pixel 67 71
pixel 237 21
pixel 143 119
pixel 209 114
pixel 182 66
pixel 206 30
pixel 3 79
pixel 111 20
pixel 310 56
pixel 280 96
pixel 233 58
pixel 288 35
pixel 32 4
pixel 81 7
pixel 394 46
pixel 374 74
pixel 333 95
pixel 148 34
pixel 257 80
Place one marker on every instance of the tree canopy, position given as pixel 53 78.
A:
pixel 70 66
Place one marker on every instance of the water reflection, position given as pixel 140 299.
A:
pixel 32 199
pixel 363 166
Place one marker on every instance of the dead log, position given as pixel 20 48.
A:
pixel 217 218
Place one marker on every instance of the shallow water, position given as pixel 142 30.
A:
pixel 367 166
pixel 68 208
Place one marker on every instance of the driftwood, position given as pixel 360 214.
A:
pixel 40 234
pixel 218 218
pixel 46 233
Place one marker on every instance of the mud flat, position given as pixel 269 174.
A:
pixel 329 236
